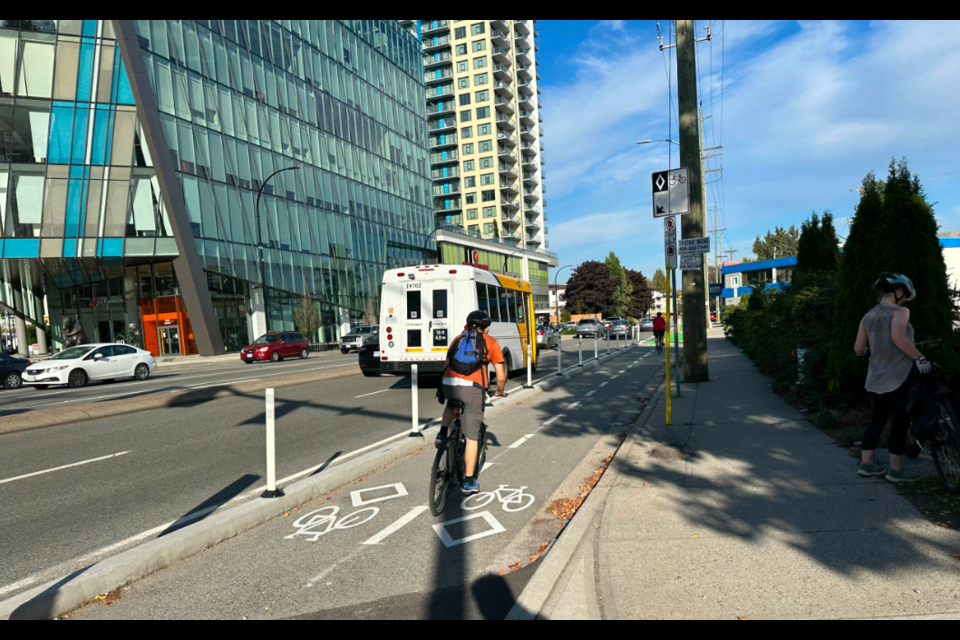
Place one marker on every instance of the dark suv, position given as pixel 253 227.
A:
pixel 276 346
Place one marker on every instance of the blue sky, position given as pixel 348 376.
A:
pixel 808 108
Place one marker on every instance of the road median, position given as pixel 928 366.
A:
pixel 160 400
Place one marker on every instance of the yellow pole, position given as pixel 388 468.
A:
pixel 667 341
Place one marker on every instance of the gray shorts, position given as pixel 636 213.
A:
pixel 472 416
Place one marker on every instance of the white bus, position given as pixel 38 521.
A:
pixel 424 308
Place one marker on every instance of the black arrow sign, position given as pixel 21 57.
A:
pixel 660 210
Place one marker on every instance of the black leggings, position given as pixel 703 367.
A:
pixel 891 406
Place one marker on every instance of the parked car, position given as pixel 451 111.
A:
pixel 369 357
pixel 11 371
pixel 275 347
pixel 76 366
pixel 646 324
pixel 620 329
pixel 591 327
pixel 547 337
pixel 570 325
pixel 357 337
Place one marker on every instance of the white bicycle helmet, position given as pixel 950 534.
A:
pixel 891 280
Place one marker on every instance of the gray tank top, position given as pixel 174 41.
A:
pixel 889 366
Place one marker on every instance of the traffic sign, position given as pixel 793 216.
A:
pixel 670 250
pixel 716 290
pixel 670 230
pixel 671 193
pixel 690 262
pixel 694 245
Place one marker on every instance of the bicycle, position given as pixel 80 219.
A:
pixel 660 344
pixel 677 179
pixel 449 468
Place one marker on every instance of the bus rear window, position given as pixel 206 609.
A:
pixel 414 339
pixel 413 305
pixel 440 304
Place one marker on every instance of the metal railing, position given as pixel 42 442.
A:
pixel 489 237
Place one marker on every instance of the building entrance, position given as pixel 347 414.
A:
pixel 170 341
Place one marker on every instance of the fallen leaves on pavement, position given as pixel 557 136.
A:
pixel 565 508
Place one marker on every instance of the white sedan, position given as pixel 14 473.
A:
pixel 76 366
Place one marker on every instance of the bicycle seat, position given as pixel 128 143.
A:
pixel 455 404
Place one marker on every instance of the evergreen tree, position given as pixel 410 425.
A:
pixel 659 281
pixel 780 243
pixel 894 229
pixel 818 249
pixel 620 301
pixel 642 298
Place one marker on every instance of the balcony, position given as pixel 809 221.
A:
pixel 506 138
pixel 523 54
pixel 435 43
pixel 534 239
pixel 506 154
pixel 441 107
pixel 502 71
pixel 508 203
pixel 510 220
pixel 447 205
pixel 442 124
pixel 507 171
pixel 437 75
pixel 500 38
pixel 531 211
pixel 437 59
pixel 506 121
pixel 531 193
pixel 525 71
pixel 443 140
pixel 528 132
pixel 530 178
pixel 446 190
pixel 525 87
pixel 540 130
pixel 509 187
pixel 511 234
pixel 529 163
pixel 530 146
pixel 440 91
pixel 445 157
pixel 500 55
pixel 434 27
pixel 502 88
pixel 526 102
pixel 544 202
pixel 500 25
pixel 504 105
pixel 523 26
pixel 532 226
pixel 445 173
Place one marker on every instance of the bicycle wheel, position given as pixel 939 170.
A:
pixel 945 448
pixel 518 502
pixel 477 501
pixel 441 478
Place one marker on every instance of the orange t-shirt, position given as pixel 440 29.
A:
pixel 479 377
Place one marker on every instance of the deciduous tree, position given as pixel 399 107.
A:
pixel 620 301
pixel 641 299
pixel 590 288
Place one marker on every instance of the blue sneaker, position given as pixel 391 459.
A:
pixel 470 487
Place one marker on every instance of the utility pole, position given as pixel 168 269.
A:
pixel 694 223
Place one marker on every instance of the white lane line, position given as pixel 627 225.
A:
pixel 604 384
pixel 552 420
pixel 624 371
pixel 367 395
pixel 66 466
pixel 396 526
pixel 573 405
pixel 516 445
pixel 614 377
pixel 487 466
pixel 589 393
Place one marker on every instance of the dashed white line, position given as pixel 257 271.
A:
pixel 615 377
pixel 516 445
pixel 552 420
pixel 603 384
pixel 623 371
pixel 66 466
pixel 396 526
pixel 367 395
pixel 573 405
pixel 589 393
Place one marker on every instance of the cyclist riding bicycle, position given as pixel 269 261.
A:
pixel 895 367
pixel 465 380
pixel 659 328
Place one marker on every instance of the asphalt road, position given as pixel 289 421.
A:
pixel 68 503
pixel 372 550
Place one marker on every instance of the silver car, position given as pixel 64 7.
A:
pixel 646 325
pixel 591 327
pixel 547 337
pixel 357 338
pixel 620 329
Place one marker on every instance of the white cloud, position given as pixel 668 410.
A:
pixel 615 25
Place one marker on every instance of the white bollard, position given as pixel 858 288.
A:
pixel 529 384
pixel 580 338
pixel 560 357
pixel 608 343
pixel 415 403
pixel 272 490
pixel 596 350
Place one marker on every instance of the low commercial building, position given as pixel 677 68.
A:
pixel 742 278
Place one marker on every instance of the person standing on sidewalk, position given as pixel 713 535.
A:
pixel 895 366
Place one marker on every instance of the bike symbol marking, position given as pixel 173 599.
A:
pixel 512 500
pixel 323 521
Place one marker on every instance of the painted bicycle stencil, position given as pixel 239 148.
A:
pixel 511 500
pixel 322 521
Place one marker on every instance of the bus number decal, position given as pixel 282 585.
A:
pixel 414 285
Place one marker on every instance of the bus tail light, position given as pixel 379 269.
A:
pixel 453 271
pixel 400 275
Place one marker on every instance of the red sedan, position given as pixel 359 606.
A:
pixel 275 347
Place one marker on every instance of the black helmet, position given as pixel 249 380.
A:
pixel 478 320
pixel 659 314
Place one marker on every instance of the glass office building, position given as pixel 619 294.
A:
pixel 132 153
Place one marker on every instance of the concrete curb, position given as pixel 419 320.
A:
pixel 159 400
pixel 61 596
pixel 535 595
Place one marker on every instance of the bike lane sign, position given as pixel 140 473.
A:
pixel 671 193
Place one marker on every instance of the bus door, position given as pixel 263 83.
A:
pixel 438 306
pixel 413 318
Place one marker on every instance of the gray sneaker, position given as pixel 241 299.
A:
pixel 903 475
pixel 872 470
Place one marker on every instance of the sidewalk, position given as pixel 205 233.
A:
pixel 743 509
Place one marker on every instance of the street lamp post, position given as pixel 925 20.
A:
pixel 263 277
pixel 556 295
